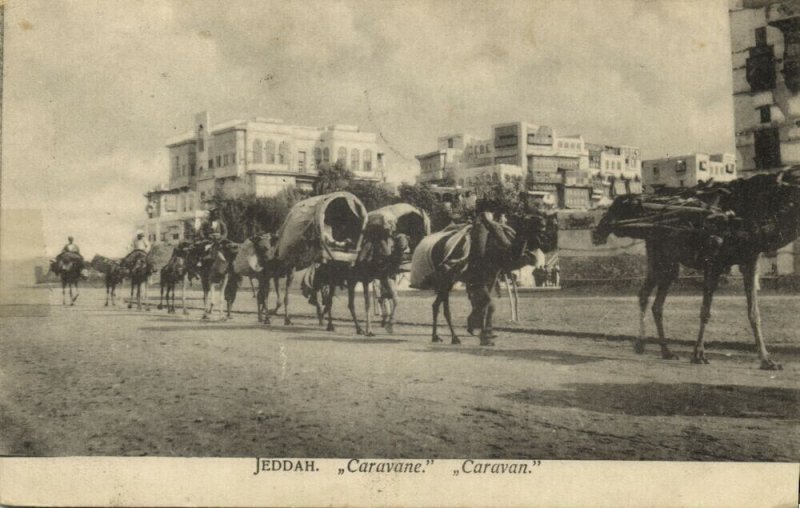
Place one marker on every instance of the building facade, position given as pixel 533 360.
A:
pixel 687 170
pixel 261 156
pixel 765 47
pixel 565 170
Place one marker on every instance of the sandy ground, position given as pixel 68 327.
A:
pixel 90 380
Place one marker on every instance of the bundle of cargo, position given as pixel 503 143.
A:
pixel 744 211
pixel 399 218
pixel 321 229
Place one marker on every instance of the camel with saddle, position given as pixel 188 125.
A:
pixel 113 275
pixel 390 235
pixel 323 232
pixel 710 227
pixel 69 267
pixel 476 254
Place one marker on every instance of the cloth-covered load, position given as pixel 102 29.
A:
pixel 103 264
pixel 246 261
pixel 399 218
pixel 321 229
pixel 450 256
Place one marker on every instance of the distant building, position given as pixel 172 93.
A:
pixel 765 47
pixel 260 156
pixel 687 170
pixel 565 169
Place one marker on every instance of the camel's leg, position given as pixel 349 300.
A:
pixel 368 330
pixel 253 287
pixel 77 293
pixel 658 311
pixel 511 299
pixel 453 337
pixel 650 283
pixel 286 320
pixel 146 297
pixel 750 273
pixel 329 306
pixel 351 304
pixel 63 291
pixel 261 299
pixel 222 287
pixel 183 293
pixel 277 296
pixel 435 308
pixel 515 296
pixel 161 297
pixel 319 297
pixel 391 300
pixel 130 300
pixel 486 334
pixel 710 280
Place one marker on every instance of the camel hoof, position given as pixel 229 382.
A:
pixel 487 342
pixel 72 304
pixel 369 334
pixel 389 328
pixel 436 338
pixel 669 355
pixel 130 306
pixel 205 317
pixel 359 331
pixel 287 322
pixel 106 305
pixel 330 328
pixel 638 346
pixel 770 365
pixel 455 340
pixel 699 360
pixel 160 307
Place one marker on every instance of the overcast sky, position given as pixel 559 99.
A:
pixel 93 89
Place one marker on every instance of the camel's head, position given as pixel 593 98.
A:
pixel 538 229
pixel 623 207
pixel 402 244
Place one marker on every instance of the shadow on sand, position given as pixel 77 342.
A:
pixel 679 399
pixel 534 355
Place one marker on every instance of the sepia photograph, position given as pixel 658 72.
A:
pixel 398 240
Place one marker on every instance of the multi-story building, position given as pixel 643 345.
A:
pixel 765 45
pixel 260 156
pixel 563 169
pixel 687 170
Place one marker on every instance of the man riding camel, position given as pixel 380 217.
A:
pixel 212 232
pixel 140 244
pixel 72 248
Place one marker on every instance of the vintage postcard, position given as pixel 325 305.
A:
pixel 405 253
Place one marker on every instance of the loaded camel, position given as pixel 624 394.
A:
pixel 138 265
pixel 476 254
pixel 113 273
pixel 745 217
pixel 68 266
pixel 174 272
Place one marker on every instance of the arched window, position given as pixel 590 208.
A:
pixel 326 155
pixel 283 153
pixel 354 160
pixel 367 160
pixel 317 156
pixel 258 151
pixel 269 152
pixel 341 155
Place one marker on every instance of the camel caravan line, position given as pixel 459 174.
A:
pixel 337 244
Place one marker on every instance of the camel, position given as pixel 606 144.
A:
pixel 175 271
pixel 68 266
pixel 139 266
pixel 476 254
pixel 378 259
pixel 114 275
pixel 272 271
pixel 765 217
pixel 213 264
